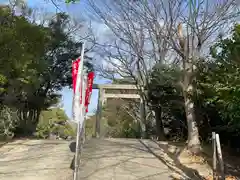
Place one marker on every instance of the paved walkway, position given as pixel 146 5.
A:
pixel 121 159
pixel 106 159
pixel 36 160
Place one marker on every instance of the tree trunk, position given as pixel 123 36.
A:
pixel 159 124
pixel 188 88
pixel 143 122
pixel 142 129
pixel 189 52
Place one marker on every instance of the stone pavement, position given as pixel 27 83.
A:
pixel 102 159
pixel 121 159
pixel 36 160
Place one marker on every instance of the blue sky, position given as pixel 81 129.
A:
pixel 78 9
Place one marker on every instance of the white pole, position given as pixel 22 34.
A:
pixel 82 118
pixel 78 111
pixel 220 158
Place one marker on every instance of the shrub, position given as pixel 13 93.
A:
pixel 54 121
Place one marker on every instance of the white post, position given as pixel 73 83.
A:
pixel 214 156
pixel 220 158
pixel 142 118
pixel 78 112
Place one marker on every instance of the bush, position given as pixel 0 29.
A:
pixel 54 121
pixel 62 131
pixel 43 131
pixel 8 120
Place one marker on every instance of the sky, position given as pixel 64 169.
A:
pixel 75 10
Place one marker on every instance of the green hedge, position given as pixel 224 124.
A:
pixel 54 121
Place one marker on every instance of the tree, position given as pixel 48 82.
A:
pixel 120 123
pixel 71 1
pixel 32 73
pixel 53 121
pixel 133 49
pixel 175 31
pixel 219 81
pixel 199 30
pixel 19 59
pixel 165 96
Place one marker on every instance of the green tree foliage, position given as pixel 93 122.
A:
pixel 166 100
pixel 71 1
pixel 54 121
pixel 119 123
pixel 35 64
pixel 19 55
pixel 217 99
pixel 220 83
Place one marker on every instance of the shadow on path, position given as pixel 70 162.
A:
pixel 104 159
pixel 169 159
pixel 189 172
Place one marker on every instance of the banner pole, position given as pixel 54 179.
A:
pixel 81 126
pixel 78 111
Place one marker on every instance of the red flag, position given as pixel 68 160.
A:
pixel 75 69
pixel 75 66
pixel 89 89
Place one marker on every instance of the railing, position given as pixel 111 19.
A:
pixel 218 165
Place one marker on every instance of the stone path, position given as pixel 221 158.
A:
pixel 105 159
pixel 121 159
pixel 36 160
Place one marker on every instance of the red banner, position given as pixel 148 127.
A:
pixel 75 66
pixel 89 89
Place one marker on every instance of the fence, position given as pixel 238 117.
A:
pixel 218 165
